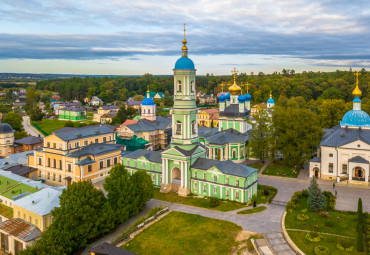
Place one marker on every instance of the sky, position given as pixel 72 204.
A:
pixel 119 37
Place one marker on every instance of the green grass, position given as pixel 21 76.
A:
pixel 307 247
pixel 344 222
pixel 19 189
pixel 172 197
pixel 6 182
pixel 261 198
pixel 6 211
pixel 257 165
pixel 181 233
pixel 254 210
pixel 280 169
pixel 50 125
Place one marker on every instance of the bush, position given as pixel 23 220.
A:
pixel 305 193
pixel 329 223
pixel 305 210
pixel 321 250
pixel 213 202
pixel 302 216
pixel 291 205
pixel 313 237
pixel 345 244
pixel 266 192
pixel 69 124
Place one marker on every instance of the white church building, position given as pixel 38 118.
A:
pixel 344 151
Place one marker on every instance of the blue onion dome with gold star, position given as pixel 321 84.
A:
pixel 248 97
pixel 271 100
pixel 228 96
pixel 184 63
pixel 222 97
pixel 356 117
pixel 148 100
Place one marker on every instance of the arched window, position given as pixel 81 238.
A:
pixel 192 86
pixel 55 163
pixel 149 111
pixel 179 89
pixel 178 127
pixel 193 127
pixel 49 162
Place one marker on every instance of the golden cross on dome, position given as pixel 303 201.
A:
pixel 357 74
pixel 184 41
pixel 234 72
pixel 247 85
pixel 222 86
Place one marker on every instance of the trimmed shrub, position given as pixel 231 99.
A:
pixel 291 205
pixel 313 237
pixel 302 216
pixel 321 250
pixel 345 244
pixel 304 210
pixel 213 202
pixel 266 192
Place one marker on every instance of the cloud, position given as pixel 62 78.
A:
pixel 324 31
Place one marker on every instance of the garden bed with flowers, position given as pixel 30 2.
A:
pixel 327 231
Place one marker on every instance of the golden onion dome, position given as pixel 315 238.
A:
pixel 235 89
pixel 356 92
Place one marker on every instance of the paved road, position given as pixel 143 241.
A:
pixel 31 130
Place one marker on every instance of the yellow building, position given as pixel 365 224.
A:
pixel 76 154
pixel 207 116
pixel 36 208
pixel 104 112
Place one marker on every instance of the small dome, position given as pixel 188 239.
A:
pixel 357 118
pixel 148 101
pixel 6 128
pixel 248 97
pixel 270 101
pixel 184 63
pixel 222 98
pixel 228 96
pixel 241 98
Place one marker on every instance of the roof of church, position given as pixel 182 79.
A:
pixel 337 136
pixel 233 111
pixel 228 136
pixel 144 125
pixel 315 159
pixel 206 131
pixel 226 167
pixel 95 149
pixel 184 63
pixel 79 133
pixel 152 156
pixel 359 159
pixel 356 118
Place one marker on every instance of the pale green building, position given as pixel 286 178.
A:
pixel 183 167
pixel 72 113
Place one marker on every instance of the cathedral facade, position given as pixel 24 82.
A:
pixel 185 165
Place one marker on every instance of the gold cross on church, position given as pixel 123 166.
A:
pixel 234 72
pixel 357 74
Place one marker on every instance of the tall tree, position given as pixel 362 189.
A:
pixel 124 113
pixel 298 133
pixel 144 188
pixel 360 226
pixel 120 193
pixel 315 200
pixel 14 120
pixel 332 111
pixel 261 133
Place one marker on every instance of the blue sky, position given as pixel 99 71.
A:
pixel 137 37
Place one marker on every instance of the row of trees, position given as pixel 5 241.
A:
pixel 85 214
pixel 15 120
pixel 308 85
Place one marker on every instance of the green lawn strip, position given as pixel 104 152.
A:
pixel 253 210
pixel 19 189
pixel 181 233
pixel 6 183
pixel 343 222
pixel 257 165
pixel 329 241
pixel 50 125
pixel 279 169
pixel 172 197
pixel 261 198
pixel 6 211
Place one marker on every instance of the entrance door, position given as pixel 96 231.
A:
pixel 219 152
pixel 316 171
pixel 359 172
pixel 176 178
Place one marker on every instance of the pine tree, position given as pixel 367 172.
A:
pixel 315 197
pixel 360 226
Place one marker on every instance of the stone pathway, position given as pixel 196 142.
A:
pixel 278 243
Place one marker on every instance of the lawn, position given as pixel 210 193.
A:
pixel 172 197
pixel 253 210
pixel 344 223
pixel 261 197
pixel 6 211
pixel 257 165
pixel 280 169
pixel 181 233
pixel 50 125
pixel 19 189
pixel 329 241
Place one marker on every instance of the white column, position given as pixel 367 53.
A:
pixel 232 194
pixel 349 172
pixel 220 191
pixel 186 174
pixel 209 189
pixel 167 170
pixel 182 173
pixel 242 196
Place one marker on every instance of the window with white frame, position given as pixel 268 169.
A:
pixel 237 194
pixel 227 181
pixel 214 190
pixel 237 183
pixel 101 164
pixel 204 187
pixel 178 127
pixel 227 192
pixel 215 178
pixel 331 167
pixel 179 88
pixel 344 169
pixel 195 174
